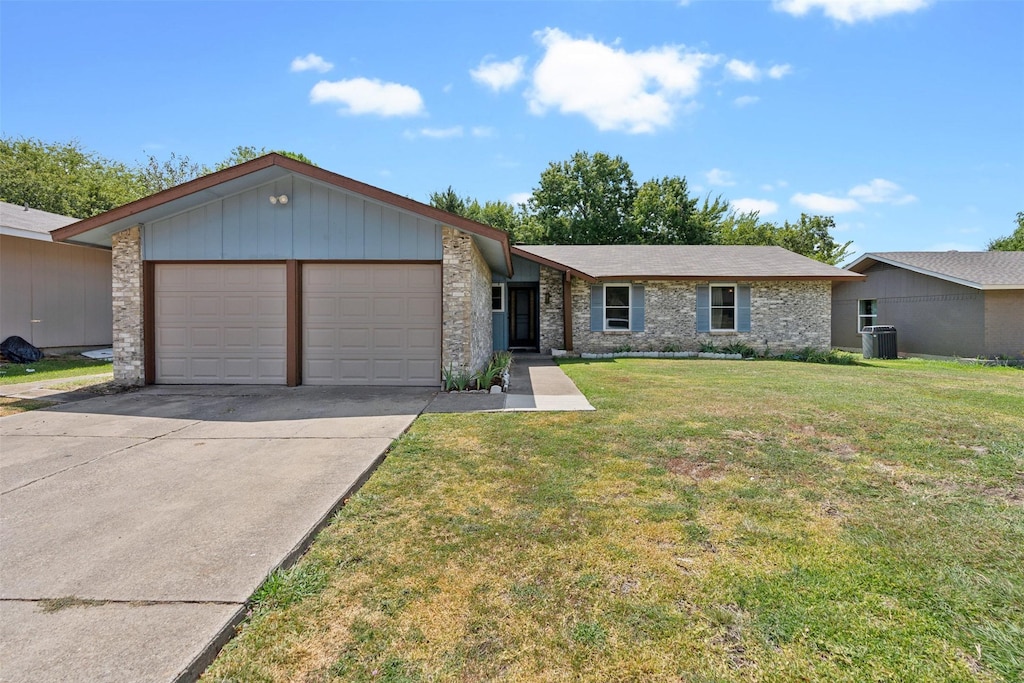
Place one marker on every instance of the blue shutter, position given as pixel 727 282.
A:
pixel 596 308
pixel 743 308
pixel 636 308
pixel 703 308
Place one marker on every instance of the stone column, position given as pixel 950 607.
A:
pixel 127 295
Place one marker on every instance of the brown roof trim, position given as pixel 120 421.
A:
pixel 734 278
pixel 315 172
pixel 552 264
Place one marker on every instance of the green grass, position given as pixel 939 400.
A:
pixel 52 368
pixel 711 521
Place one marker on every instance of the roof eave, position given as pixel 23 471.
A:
pixel 915 269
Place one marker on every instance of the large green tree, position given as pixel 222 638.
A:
pixel 586 200
pixel 64 178
pixel 665 213
pixel 1012 242
pixel 244 153
pixel 498 214
pixel 810 236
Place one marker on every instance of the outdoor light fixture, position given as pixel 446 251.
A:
pixel 282 199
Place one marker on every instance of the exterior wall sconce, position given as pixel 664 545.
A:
pixel 281 199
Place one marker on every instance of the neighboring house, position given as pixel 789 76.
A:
pixel 275 271
pixel 55 296
pixel 945 303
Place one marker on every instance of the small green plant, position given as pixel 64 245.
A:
pixel 740 348
pixel 708 347
pixel 671 348
pixel 489 376
pixel 810 354
pixel 454 379
pixel 622 348
pixel 503 359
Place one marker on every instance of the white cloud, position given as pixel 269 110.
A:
pixel 518 198
pixel 311 62
pixel 820 203
pixel 434 133
pixel 635 92
pixel 447 88
pixel 881 191
pixel 743 71
pixel 849 11
pixel 749 71
pixel 717 176
pixel 746 100
pixel 499 76
pixel 765 207
pixel 482 131
pixel 365 96
pixel 767 187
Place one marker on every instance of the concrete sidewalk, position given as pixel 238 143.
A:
pixel 536 384
pixel 135 527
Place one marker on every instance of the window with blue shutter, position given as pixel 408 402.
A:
pixel 597 308
pixel 703 308
pixel 743 308
pixel 636 309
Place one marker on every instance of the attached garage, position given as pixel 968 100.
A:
pixel 278 272
pixel 375 324
pixel 220 323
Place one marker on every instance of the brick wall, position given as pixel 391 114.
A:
pixel 466 303
pixel 127 296
pixel 551 319
pixel 784 315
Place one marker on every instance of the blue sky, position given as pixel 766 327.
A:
pixel 904 119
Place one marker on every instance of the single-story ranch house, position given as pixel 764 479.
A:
pixel 942 303
pixel 55 296
pixel 275 271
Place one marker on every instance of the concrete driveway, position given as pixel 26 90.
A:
pixel 134 527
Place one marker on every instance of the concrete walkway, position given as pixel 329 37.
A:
pixel 134 527
pixel 48 390
pixel 536 384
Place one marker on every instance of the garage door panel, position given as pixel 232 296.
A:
pixel 220 323
pixel 387 319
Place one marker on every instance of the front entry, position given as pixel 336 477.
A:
pixel 523 317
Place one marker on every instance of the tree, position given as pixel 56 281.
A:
pixel 159 175
pixel 811 236
pixel 242 153
pixel 1012 242
pixel 586 200
pixel 497 214
pixel 64 178
pixel 665 213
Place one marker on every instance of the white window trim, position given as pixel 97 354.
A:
pixel 712 307
pixel 860 316
pixel 629 308
pixel 500 285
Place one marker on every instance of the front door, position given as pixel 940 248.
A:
pixel 523 318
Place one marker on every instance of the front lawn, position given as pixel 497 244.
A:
pixel 53 368
pixel 711 521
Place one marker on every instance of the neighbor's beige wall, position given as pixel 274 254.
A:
pixel 65 287
pixel 1004 323
pixel 784 316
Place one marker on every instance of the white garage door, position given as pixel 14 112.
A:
pixel 220 324
pixel 371 324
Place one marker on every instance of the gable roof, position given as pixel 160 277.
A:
pixel 21 221
pixel 684 262
pixel 98 230
pixel 977 269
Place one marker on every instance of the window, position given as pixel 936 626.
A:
pixel 723 307
pixel 867 313
pixel 616 307
pixel 497 298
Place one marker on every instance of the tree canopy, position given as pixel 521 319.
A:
pixel 1013 241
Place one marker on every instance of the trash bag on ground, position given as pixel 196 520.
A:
pixel 17 350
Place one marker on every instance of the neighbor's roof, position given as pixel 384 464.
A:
pixel 21 221
pixel 977 269
pixel 98 230
pixel 685 262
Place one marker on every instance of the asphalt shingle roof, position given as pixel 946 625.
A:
pixel 687 261
pixel 982 269
pixel 17 217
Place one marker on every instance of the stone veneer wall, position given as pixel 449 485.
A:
pixel 551 319
pixel 465 303
pixel 129 348
pixel 784 315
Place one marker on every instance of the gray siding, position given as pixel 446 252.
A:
pixel 318 222
pixel 1004 323
pixel 523 271
pixel 932 316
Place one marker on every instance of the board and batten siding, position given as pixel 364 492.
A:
pixel 318 222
